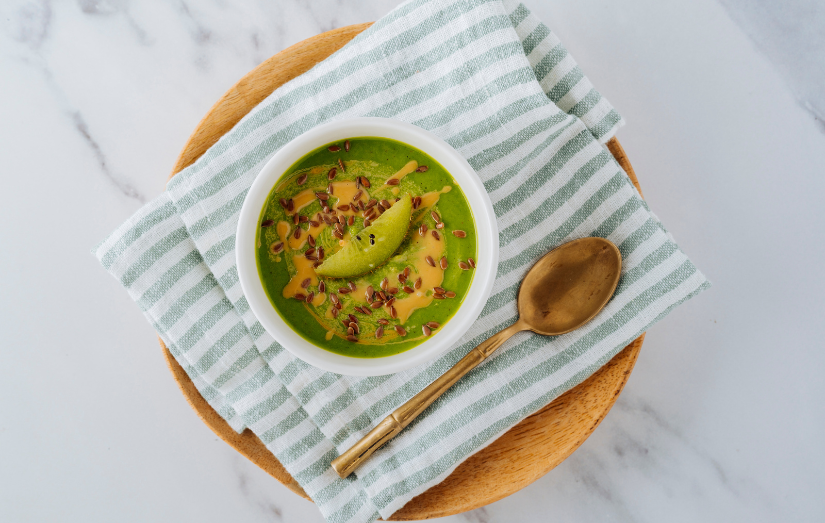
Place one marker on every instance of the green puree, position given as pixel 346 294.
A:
pixel 376 159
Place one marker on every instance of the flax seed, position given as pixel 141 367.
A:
pixel 393 312
pixel 376 304
pixel 277 247
pixel 438 296
pixel 343 208
pixel 357 195
pixel 444 263
pixel 333 148
pixel 322 287
pixel 283 203
pixel 433 325
pixel 311 241
pixel 449 294
pixel 471 262
pixel 320 253
pixel 459 234
pixel 322 196
pixel 305 283
pixel 365 182
pixel 290 205
pixel 383 321
pixel 426 330
pixel 430 261
pixel 341 165
pixel 352 339
pixel 438 290
pixel 436 218
pixel 435 235
pixel 379 331
pixel 439 225
pixel 400 330
pixel 310 297
pixel 463 266
pixel 418 283
pixel 385 204
pixel 297 234
pixel 301 179
pixel 408 289
pixel 423 169
pixel 384 284
pixel 300 297
pixel 393 181
pixel 351 221
pixel 267 223
pixel 344 290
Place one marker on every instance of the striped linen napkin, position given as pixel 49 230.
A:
pixel 496 84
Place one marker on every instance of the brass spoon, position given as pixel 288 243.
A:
pixel 564 290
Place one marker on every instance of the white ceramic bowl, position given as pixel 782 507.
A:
pixel 464 175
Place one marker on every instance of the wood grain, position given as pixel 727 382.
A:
pixel 520 456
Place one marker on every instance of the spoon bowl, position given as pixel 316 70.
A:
pixel 569 285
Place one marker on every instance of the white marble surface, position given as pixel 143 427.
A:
pixel 722 419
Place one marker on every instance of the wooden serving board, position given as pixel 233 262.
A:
pixel 519 457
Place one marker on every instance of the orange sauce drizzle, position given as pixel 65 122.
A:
pixel 301 200
pixel 411 166
pixel 430 276
pixel 304 270
pixel 283 232
pixel 345 191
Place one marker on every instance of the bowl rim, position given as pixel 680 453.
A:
pixel 486 249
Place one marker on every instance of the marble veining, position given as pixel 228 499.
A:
pixel 721 419
pixel 792 36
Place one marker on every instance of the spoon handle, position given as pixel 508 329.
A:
pixel 350 460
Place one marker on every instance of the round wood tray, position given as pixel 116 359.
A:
pixel 519 457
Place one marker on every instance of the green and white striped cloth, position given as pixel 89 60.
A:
pixel 496 84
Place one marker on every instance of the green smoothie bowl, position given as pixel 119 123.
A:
pixel 367 246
